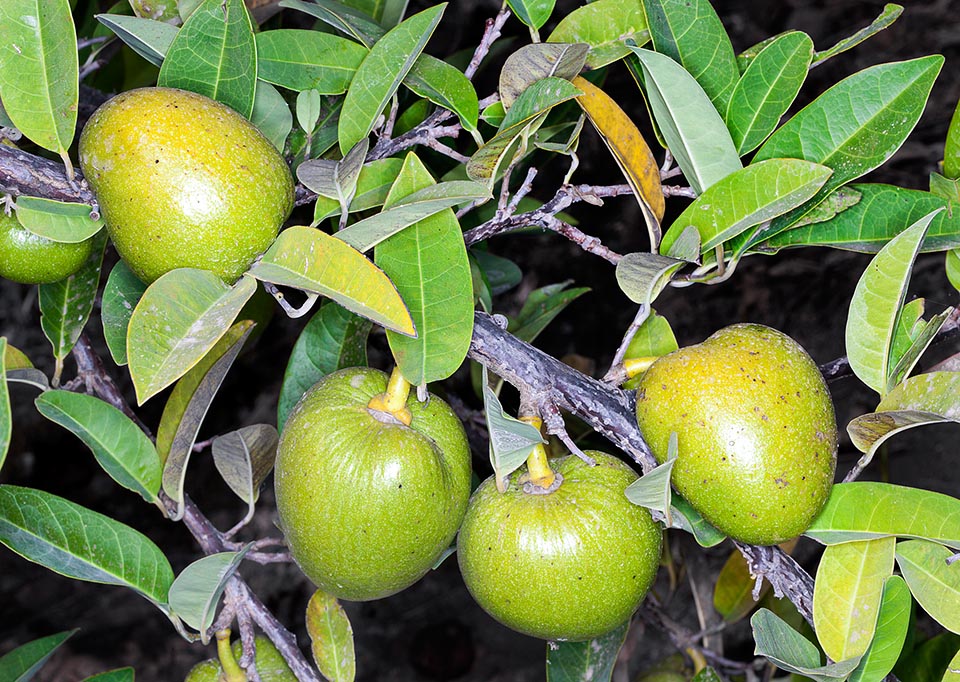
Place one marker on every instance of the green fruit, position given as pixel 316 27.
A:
pixel 270 664
pixel 572 564
pixel 756 432
pixel 184 182
pixel 28 258
pixel 366 503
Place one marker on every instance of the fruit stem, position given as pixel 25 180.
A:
pixel 538 466
pixel 637 366
pixel 394 399
pixel 231 671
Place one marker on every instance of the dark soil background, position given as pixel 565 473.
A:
pixel 434 631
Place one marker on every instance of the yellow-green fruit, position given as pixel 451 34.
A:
pixel 756 431
pixel 31 259
pixel 572 564
pixel 366 503
pixel 184 182
pixel 270 664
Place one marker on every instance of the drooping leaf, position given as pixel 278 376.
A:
pixel 603 25
pixel 591 660
pixel 271 115
pixel 789 650
pixel 533 13
pixel 428 264
pixel 81 544
pixel 535 62
pixel 855 126
pixel 244 458
pixel 308 60
pixel 934 582
pixel 748 198
pixel 381 72
pixel 120 296
pixel 335 179
pixel 65 306
pixel 331 638
pixel 689 519
pixel 149 38
pixel 6 418
pixel 56 220
pixel 890 14
pixel 311 260
pixel 344 18
pixel 630 151
pixel 642 276
pixel 864 510
pixel 215 54
pixel 541 307
pixel 767 89
pixel 22 663
pixel 179 318
pixel 195 593
pixel 847 594
pixel 691 33
pixel 446 86
pixel 39 71
pixel 652 490
pixel 374 183
pixel 876 308
pixel 120 447
pixel 188 404
pixel 691 126
pixel 892 624
pixel 511 440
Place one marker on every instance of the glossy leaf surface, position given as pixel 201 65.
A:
pixel 22 663
pixel 603 25
pixel 892 624
pixel 120 296
pixel 57 220
pixel 308 60
pixel 148 38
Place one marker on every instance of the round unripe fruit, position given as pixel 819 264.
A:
pixel 184 182
pixel 28 258
pixel 368 504
pixel 756 431
pixel 271 665
pixel 571 564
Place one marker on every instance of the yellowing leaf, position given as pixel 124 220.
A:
pixel 629 149
pixel 331 638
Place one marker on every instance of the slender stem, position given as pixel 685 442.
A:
pixel 231 671
pixel 538 465
pixel 613 374
pixel 394 400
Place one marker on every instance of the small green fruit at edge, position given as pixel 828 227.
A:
pixel 270 664
pixel 756 431
pixel 184 182
pixel 571 564
pixel 371 484
pixel 28 258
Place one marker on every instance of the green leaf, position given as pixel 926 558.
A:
pixel 642 276
pixel 65 306
pixel 707 675
pixel 767 89
pixel 215 54
pixel 524 116
pixel 148 38
pixel 691 33
pixel 945 187
pixel 6 418
pixel 690 124
pixel 603 25
pixel 187 406
pixel 271 114
pixel 890 14
pixel 502 274
pixel 541 307
pixel 31 377
pixel 39 70
pixel 535 62
pixel 335 179
pixel 56 220
pixel 81 544
pixel 733 591
pixel 345 19
pixel 892 624
pixel 374 183
pixel 428 264
pixel 951 148
pixel 313 261
pixel 21 664
pixel 511 440
pixel 876 308
pixel 652 490
pixel 409 210
pixel 653 338
pixel 120 296
pixel 331 638
pixel 445 86
pixel 789 650
pixel 120 447
pixel 533 13
pixel 934 582
pixel 869 431
pixel 856 125
pixel 195 593
pixel 877 216
pixel 952 672
pixel 847 594
pixel 179 318
pixel 381 72
pixel 952 266
pixel 863 510
pixel 687 518
pixel 929 660
pixel 308 60
pixel 118 675
pixel 591 660
pixel 244 458
pixel 747 198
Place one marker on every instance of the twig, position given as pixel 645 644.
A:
pixel 490 34
pixel 582 239
pixel 677 191
pixel 612 375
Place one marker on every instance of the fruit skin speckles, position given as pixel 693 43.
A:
pixel 184 181
pixel 757 435
pixel 31 259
